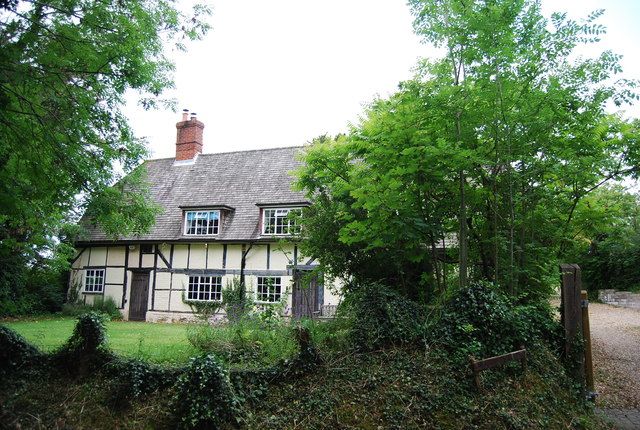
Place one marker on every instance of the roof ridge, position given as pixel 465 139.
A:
pixel 232 152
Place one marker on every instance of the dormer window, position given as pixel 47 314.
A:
pixel 201 223
pixel 280 221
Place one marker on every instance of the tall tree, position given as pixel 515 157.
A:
pixel 606 239
pixel 65 66
pixel 498 140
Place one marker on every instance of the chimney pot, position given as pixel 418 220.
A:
pixel 185 114
pixel 194 116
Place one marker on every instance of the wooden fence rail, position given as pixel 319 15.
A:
pixel 478 366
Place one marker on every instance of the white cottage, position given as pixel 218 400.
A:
pixel 220 212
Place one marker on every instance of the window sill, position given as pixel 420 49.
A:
pixel 200 235
pixel 202 301
pixel 277 235
pixel 93 292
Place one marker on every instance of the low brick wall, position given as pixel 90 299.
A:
pixel 623 299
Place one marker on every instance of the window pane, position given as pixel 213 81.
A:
pixel 216 288
pixel 204 288
pixel 269 289
pixel 94 280
pixel 279 221
pixel 202 222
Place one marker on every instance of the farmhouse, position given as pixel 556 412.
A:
pixel 225 215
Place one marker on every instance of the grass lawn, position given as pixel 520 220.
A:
pixel 151 341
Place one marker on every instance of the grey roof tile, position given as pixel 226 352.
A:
pixel 236 179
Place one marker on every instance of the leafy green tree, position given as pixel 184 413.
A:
pixel 65 67
pixel 606 239
pixel 496 142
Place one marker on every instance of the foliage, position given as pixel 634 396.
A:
pixel 33 286
pixel 204 396
pixel 67 65
pixel 607 239
pixel 15 352
pixel 88 335
pixel 495 142
pixel 204 310
pixel 86 348
pixel 482 321
pixel 101 305
pixel 413 388
pixel 331 337
pixel 133 379
pixel 124 208
pixel 234 300
pixel 394 388
pixel 407 387
pixel 378 316
pixel 245 343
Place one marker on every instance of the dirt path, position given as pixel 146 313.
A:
pixel 615 333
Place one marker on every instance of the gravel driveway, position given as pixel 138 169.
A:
pixel 615 334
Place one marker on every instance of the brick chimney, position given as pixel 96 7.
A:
pixel 189 139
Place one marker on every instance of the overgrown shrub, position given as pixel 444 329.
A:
pixel 234 300
pixel 248 342
pixel 15 351
pixel 27 289
pixel 204 310
pixel 102 305
pixel 378 316
pixel 330 336
pixel 204 397
pixel 86 346
pixel 134 379
pixel 481 321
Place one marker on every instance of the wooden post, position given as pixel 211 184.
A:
pixel 571 318
pixel 476 373
pixel 571 308
pixel 586 335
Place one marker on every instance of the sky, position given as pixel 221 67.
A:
pixel 272 74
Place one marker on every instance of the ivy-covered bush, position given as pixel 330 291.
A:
pixel 378 316
pixel 481 321
pixel 15 351
pixel 88 334
pixel 86 346
pixel 134 379
pixel 204 397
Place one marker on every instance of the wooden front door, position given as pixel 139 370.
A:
pixel 306 299
pixel 139 296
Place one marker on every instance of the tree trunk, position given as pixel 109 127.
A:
pixel 462 245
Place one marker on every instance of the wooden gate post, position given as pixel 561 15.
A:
pixel 588 357
pixel 571 316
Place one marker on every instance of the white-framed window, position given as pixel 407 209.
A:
pixel 94 281
pixel 269 289
pixel 205 288
pixel 280 221
pixel 201 223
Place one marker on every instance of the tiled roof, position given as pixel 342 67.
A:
pixel 239 180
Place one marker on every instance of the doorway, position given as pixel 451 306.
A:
pixel 139 296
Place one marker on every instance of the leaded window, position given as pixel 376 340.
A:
pixel 280 221
pixel 269 289
pixel 205 288
pixel 201 223
pixel 94 281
